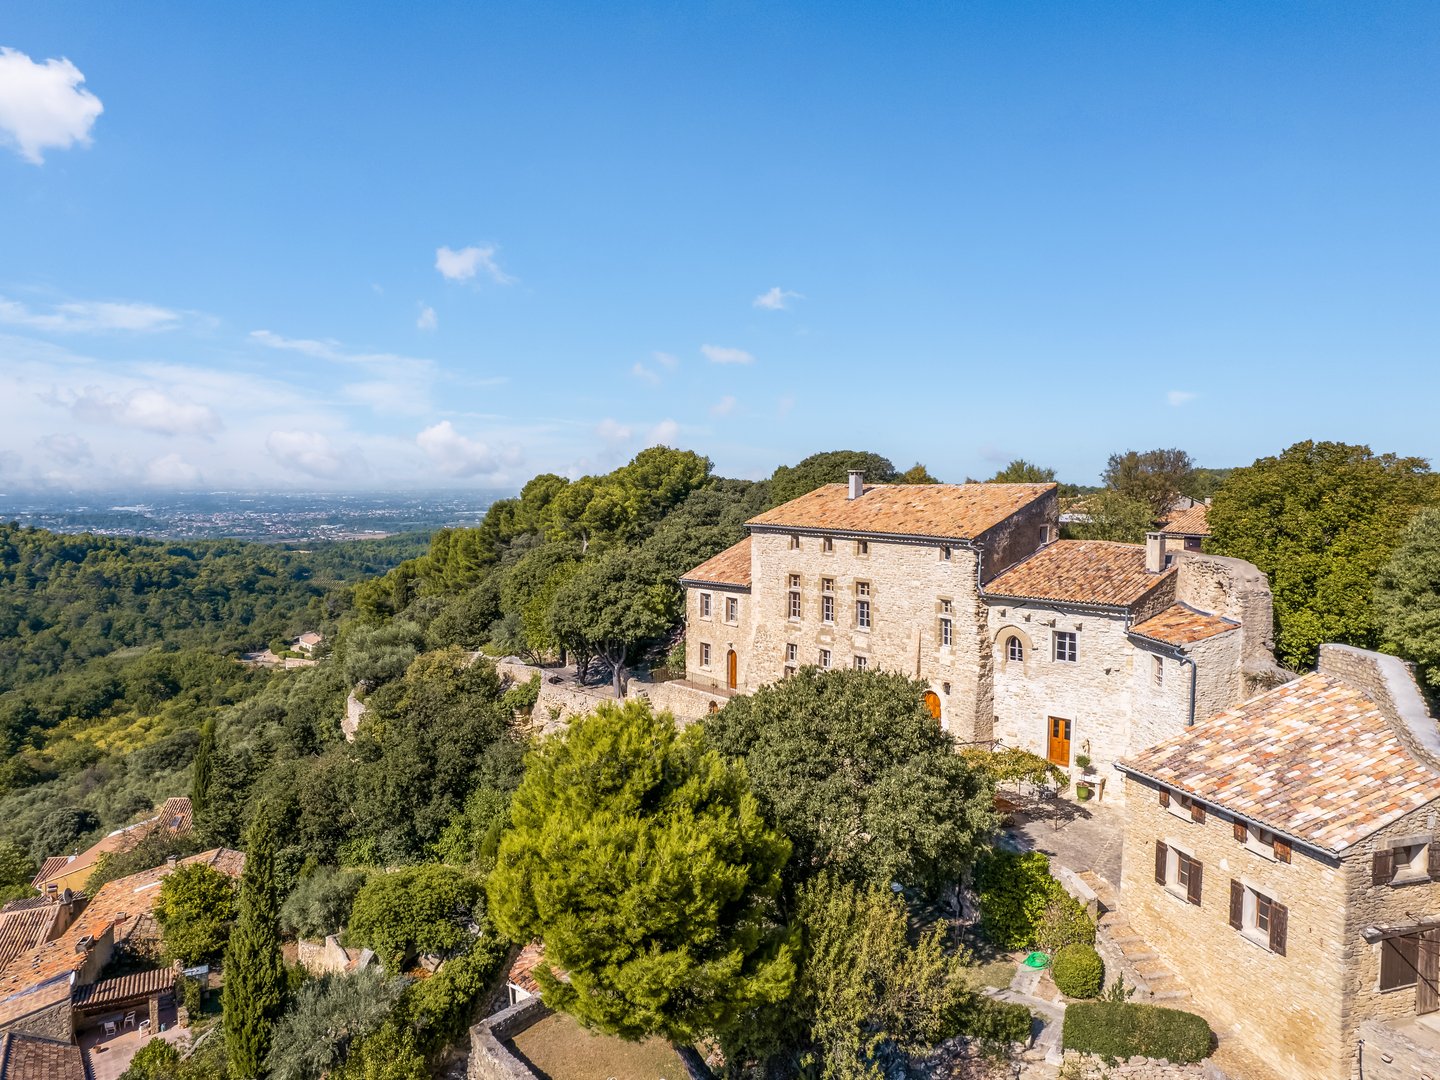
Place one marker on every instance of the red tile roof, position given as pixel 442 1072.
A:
pixel 30 1057
pixel 939 511
pixel 1180 624
pixel 23 929
pixel 1315 760
pixel 730 567
pixel 522 971
pixel 1192 522
pixel 121 904
pixel 175 816
pixel 124 988
pixel 1080 572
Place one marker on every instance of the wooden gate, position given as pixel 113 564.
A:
pixel 1427 985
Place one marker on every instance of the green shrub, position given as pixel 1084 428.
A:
pixel 1078 971
pixel 1014 890
pixel 994 1023
pixel 1115 1031
pixel 1064 922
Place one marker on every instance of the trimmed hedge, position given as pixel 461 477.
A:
pixel 1118 1030
pixel 1078 971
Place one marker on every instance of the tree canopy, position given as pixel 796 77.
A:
pixel 1109 515
pixel 195 908
pixel 1407 597
pixel 1152 477
pixel 641 860
pixel 860 776
pixel 832 467
pixel 1320 519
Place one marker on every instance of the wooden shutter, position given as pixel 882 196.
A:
pixel 1427 985
pixel 1237 905
pixel 1197 812
pixel 1241 833
pixel 1161 857
pixel 1164 797
pixel 1383 869
pixel 1192 893
pixel 1434 857
pixel 1279 916
pixel 1282 850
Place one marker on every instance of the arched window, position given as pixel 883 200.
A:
pixel 1015 649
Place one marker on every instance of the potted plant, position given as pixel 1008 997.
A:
pixel 1083 787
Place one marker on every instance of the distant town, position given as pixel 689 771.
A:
pixel 286 517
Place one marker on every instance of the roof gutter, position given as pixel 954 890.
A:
pixel 859 534
pixel 1295 841
pixel 697 583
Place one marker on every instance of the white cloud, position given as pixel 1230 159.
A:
pixel 724 407
pixel 612 431
pixel 640 371
pixel 777 299
pixel 309 451
pixel 1180 397
pixel 664 433
pixel 391 396
pixel 89 316
pixel 43 106
pixel 321 350
pixel 146 409
pixel 428 320
pixel 723 354
pixel 172 471
pixel 70 449
pixel 665 359
pixel 457 455
pixel 464 264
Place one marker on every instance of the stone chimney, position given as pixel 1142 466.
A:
pixel 1154 552
pixel 857 484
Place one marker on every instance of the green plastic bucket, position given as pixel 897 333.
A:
pixel 1036 960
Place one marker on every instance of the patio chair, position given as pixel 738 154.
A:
pixel 129 1020
pixel 145 1027
pixel 109 1028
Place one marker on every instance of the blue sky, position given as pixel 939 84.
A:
pixel 355 245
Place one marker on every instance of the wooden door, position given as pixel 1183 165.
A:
pixel 1427 984
pixel 1058 749
pixel 732 670
pixel 932 703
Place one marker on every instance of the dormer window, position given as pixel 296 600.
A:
pixel 1045 536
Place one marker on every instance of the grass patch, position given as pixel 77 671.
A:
pixel 996 973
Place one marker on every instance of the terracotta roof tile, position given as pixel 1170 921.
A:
pixel 23 929
pixel 1180 624
pixel 1191 522
pixel 942 511
pixel 124 988
pixel 1080 572
pixel 175 816
pixel 730 567
pixel 30 1057
pixel 122 903
pixel 522 971
pixel 1314 759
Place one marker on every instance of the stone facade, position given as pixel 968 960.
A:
pixel 1303 1009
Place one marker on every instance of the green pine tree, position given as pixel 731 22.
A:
pixel 254 970
pixel 204 766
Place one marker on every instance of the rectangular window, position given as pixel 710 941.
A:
pixel 1066 648
pixel 1179 871
pixel 945 606
pixel 824 658
pixel 945 553
pixel 862 547
pixel 704 605
pixel 827 545
pixel 732 609
pixel 792 652
pixel 1399 961
pixel 947 633
pixel 1159 670
pixel 1261 918
pixel 704 654
pixel 861 663
pixel 827 584
pixel 1044 534
pixel 862 614
pixel 827 609
pixel 794 541
pixel 794 596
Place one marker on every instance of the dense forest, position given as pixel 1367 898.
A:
pixel 446 790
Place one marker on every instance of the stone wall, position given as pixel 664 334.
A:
pixel 722 635
pixel 490 1057
pixel 1018 536
pixel 1388 1052
pixel 355 711
pixel 1286 1008
pixel 908 582
pixel 1077 1066
pixel 686 703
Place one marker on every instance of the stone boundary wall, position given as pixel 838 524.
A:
pixel 1079 1066
pixel 490 1058
pixel 1390 1054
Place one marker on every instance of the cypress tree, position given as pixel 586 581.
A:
pixel 254 970
pixel 204 766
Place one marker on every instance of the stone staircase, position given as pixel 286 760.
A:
pixel 1139 964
